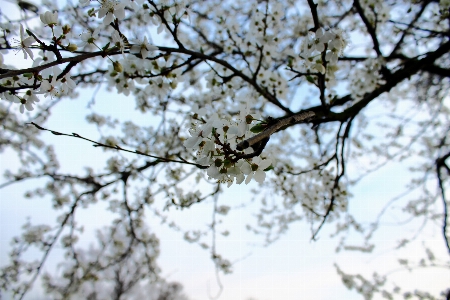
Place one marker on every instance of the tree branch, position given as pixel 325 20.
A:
pixel 315 16
pixel 440 163
pixel 117 147
pixel 298 118
pixel 370 29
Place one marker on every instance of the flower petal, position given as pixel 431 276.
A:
pixel 249 178
pixel 120 13
pixel 260 176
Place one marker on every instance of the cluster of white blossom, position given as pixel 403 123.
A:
pixel 47 82
pixel 215 140
pixel 366 78
pixel 263 31
pixel 108 10
pixel 320 52
pixel 63 37
pixel 376 11
pixel 227 60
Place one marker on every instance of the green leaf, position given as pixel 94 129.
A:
pixel 91 12
pixel 105 47
pixel 258 128
pixel 268 168
pixel 310 79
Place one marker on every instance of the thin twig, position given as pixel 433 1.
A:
pixel 117 147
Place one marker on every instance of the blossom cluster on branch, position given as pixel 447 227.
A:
pixel 304 98
pixel 318 54
pixel 215 140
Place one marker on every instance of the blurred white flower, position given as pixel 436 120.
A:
pixel 88 38
pixel 25 43
pixel 49 18
pixel 118 40
pixel 144 48
pixel 109 9
pixel 256 169
pixel 134 4
pixel 27 101
pixel 25 104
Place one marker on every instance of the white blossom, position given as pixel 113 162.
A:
pixel 110 9
pixel 89 37
pixel 25 43
pixel 144 48
pixel 49 18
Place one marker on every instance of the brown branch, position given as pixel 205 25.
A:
pixel 271 98
pixel 338 177
pixel 77 59
pixel 271 129
pixel 317 167
pixel 117 147
pixel 315 16
pixel 436 70
pixel 410 68
pixel 440 163
pixel 17 88
pixel 370 29
pixel 52 243
pixel 410 25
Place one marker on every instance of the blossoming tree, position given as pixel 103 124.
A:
pixel 275 92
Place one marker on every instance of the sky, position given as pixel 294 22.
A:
pixel 294 267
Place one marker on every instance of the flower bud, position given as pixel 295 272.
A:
pixel 117 66
pixel 66 29
pixel 49 18
pixel 227 163
pixel 218 162
pixel 72 47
